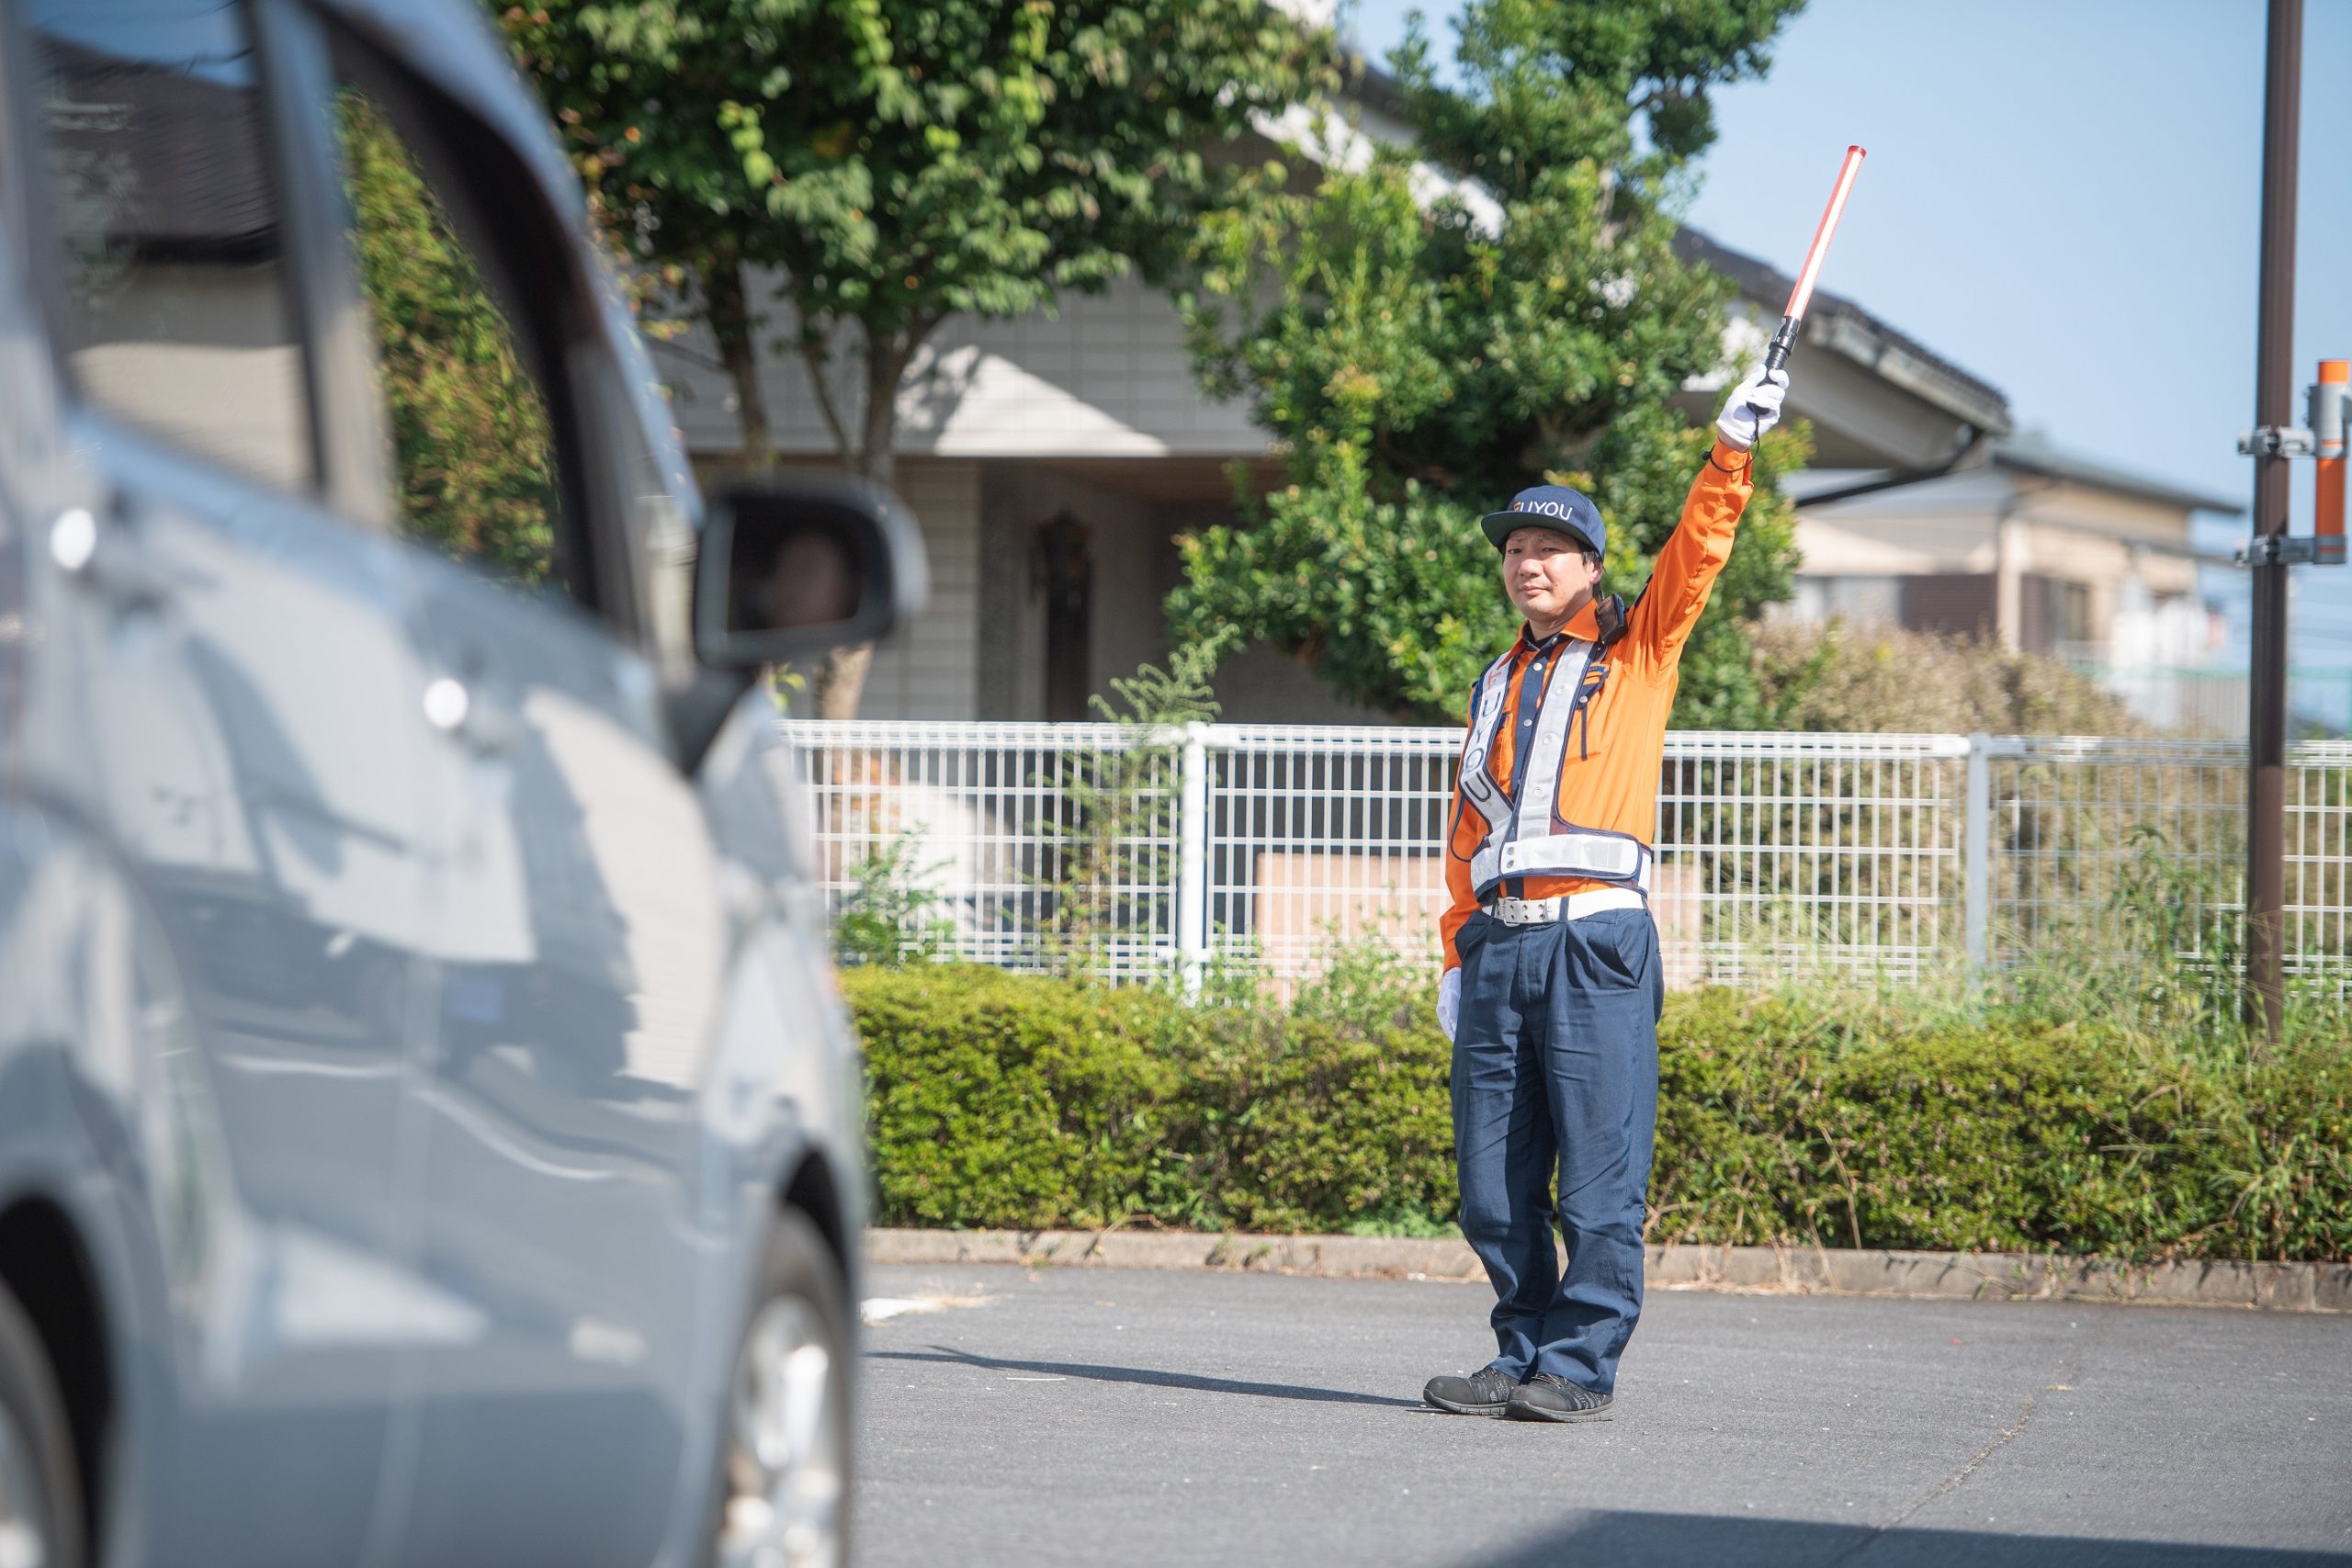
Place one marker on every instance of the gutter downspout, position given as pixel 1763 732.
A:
pixel 1974 452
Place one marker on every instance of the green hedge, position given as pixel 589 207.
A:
pixel 1002 1100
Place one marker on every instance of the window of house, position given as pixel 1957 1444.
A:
pixel 175 307
pixel 2055 614
pixel 469 434
pixel 2070 613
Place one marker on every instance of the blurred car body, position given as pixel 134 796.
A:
pixel 428 1131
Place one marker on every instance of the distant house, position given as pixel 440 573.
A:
pixel 1052 460
pixel 2034 548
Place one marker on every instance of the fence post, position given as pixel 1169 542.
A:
pixel 1193 860
pixel 1976 851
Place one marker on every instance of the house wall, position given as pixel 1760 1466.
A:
pixel 1840 545
pixel 927 668
pixel 1131 540
pixel 1261 684
pixel 1108 376
pixel 206 356
pixel 1126 542
pixel 978 651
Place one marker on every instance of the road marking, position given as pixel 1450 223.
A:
pixel 881 1309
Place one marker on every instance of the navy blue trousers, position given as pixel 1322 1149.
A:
pixel 1554 1106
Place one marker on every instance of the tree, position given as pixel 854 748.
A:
pixel 892 164
pixel 1421 354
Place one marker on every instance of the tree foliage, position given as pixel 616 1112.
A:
pixel 882 165
pixel 471 447
pixel 1427 330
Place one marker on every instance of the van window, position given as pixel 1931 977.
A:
pixel 177 313
pixel 472 453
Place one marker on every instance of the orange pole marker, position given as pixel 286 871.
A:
pixel 2327 520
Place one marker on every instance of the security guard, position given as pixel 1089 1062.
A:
pixel 1551 992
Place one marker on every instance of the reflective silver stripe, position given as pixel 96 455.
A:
pixel 1477 787
pixel 1541 796
pixel 1605 857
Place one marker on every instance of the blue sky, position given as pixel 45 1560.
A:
pixel 2062 197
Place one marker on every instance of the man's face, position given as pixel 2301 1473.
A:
pixel 1546 574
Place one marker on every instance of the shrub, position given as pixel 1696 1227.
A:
pixel 890 915
pixel 1876 678
pixel 1010 1100
pixel 1333 1129
pixel 2283 1181
pixel 2016 1137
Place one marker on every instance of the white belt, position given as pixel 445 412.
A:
pixel 1567 906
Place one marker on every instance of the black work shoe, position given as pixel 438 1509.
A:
pixel 1486 1391
pixel 1544 1397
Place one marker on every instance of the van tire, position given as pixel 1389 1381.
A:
pixel 41 1490
pixel 794 1369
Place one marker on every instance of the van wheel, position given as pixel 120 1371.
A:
pixel 784 1491
pixel 40 1496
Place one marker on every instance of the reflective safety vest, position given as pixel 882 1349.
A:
pixel 1529 837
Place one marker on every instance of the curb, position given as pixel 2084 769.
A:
pixel 1934 1276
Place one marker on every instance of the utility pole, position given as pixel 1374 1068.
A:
pixel 2265 883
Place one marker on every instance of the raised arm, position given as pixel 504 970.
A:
pixel 1684 575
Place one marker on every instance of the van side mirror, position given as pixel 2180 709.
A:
pixel 802 565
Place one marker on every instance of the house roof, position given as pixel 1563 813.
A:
pixel 2031 455
pixel 1837 323
pixel 1374 83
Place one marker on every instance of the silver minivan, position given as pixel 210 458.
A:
pixel 429 1132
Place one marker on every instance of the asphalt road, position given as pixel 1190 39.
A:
pixel 1084 1416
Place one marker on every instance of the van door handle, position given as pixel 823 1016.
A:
pixel 106 560
pixel 467 715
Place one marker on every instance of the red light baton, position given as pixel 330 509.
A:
pixel 1802 295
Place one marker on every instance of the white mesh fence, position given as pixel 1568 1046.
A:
pixel 1276 843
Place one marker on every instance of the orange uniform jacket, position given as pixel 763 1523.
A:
pixel 1608 778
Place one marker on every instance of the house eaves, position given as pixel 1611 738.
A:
pixel 2014 473
pixel 2036 457
pixel 1843 328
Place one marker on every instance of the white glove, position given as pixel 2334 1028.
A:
pixel 1448 1002
pixel 1755 408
